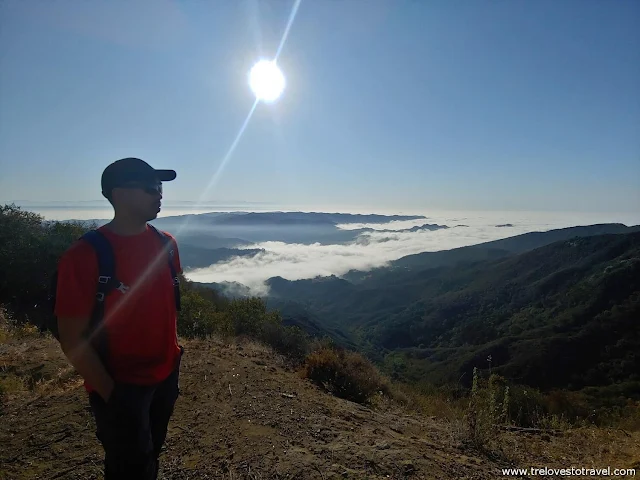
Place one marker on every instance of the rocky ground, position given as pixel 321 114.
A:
pixel 244 414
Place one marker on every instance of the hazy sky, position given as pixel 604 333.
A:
pixel 434 104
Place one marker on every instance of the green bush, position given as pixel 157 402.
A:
pixel 247 315
pixel 345 374
pixel 199 318
pixel 205 312
pixel 527 407
pixel 29 253
pixel 292 342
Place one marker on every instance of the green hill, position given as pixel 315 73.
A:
pixel 564 315
pixel 560 316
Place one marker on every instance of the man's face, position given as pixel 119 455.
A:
pixel 140 200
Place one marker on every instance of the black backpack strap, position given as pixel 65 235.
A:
pixel 169 248
pixel 106 282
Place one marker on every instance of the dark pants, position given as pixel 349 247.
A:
pixel 132 427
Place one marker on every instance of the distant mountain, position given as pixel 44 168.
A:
pixel 287 227
pixel 531 240
pixel 420 228
pixel 207 241
pixel 488 250
pixel 563 315
pixel 302 218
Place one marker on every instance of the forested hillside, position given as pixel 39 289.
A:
pixel 560 316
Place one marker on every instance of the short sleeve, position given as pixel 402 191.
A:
pixel 77 274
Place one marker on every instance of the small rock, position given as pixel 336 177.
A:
pixel 383 446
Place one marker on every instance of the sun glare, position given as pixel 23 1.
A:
pixel 266 81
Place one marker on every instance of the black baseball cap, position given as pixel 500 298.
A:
pixel 132 170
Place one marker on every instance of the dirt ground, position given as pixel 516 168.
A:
pixel 243 414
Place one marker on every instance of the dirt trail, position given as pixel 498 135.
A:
pixel 243 414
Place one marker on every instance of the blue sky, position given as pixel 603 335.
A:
pixel 499 105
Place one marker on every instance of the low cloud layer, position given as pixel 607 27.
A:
pixel 375 249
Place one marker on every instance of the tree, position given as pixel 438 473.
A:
pixel 29 252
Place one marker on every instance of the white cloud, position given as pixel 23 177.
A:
pixel 297 261
pixel 376 249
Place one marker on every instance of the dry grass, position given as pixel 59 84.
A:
pixel 25 362
pixel 631 422
pixel 10 331
pixel 432 404
pixel 65 378
pixel 252 346
pixel 11 384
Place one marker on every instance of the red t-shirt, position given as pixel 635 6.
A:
pixel 141 323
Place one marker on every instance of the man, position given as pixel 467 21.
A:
pixel 133 387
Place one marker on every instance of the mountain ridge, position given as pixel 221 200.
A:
pixel 439 322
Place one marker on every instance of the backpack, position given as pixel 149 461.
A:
pixel 107 282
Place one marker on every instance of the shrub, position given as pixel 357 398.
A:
pixel 345 374
pixel 480 415
pixel 571 405
pixel 246 316
pixel 527 406
pixel 289 341
pixel 494 402
pixel 199 318
pixel 318 343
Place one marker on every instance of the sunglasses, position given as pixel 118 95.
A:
pixel 149 188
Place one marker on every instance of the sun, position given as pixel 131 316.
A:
pixel 266 81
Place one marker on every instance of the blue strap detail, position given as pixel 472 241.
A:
pixel 107 282
pixel 106 263
pixel 169 248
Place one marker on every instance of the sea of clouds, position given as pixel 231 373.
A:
pixel 381 246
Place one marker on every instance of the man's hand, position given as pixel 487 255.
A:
pixel 83 356
pixel 106 396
